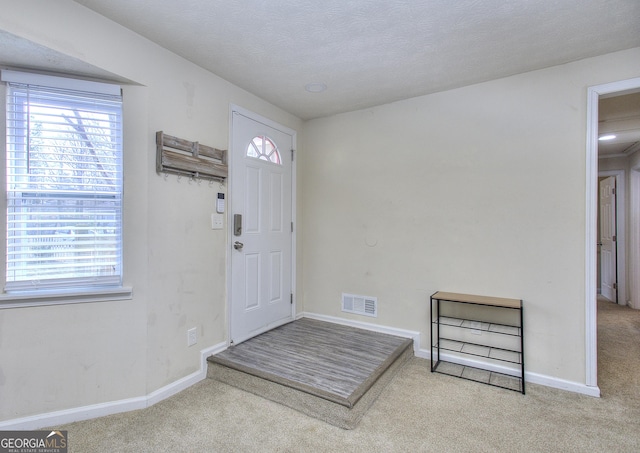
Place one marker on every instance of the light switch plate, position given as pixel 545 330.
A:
pixel 192 336
pixel 217 221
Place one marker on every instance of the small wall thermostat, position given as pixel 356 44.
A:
pixel 220 203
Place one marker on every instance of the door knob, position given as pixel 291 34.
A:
pixel 238 245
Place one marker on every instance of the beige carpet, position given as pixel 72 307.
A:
pixel 418 411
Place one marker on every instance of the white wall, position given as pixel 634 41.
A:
pixel 69 356
pixel 474 190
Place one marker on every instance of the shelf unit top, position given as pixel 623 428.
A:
pixel 480 300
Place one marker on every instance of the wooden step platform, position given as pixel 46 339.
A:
pixel 325 370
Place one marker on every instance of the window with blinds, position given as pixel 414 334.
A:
pixel 64 183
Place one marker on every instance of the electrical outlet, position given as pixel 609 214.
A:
pixel 192 336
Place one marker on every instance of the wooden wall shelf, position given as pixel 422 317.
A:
pixel 192 159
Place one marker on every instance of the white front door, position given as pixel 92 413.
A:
pixel 261 225
pixel 608 274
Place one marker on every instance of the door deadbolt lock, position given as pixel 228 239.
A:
pixel 237 224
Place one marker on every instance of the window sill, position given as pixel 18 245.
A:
pixel 21 299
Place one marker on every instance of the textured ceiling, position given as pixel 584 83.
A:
pixel 371 52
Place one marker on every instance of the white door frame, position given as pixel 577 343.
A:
pixel 591 216
pixel 634 238
pixel 229 207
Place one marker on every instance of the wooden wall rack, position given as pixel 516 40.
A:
pixel 192 159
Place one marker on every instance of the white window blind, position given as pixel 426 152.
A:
pixel 64 183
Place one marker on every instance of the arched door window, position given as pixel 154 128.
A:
pixel 261 147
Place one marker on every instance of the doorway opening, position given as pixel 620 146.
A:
pixel 594 95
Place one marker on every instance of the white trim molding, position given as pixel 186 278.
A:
pixel 22 299
pixel 76 414
pixel 530 377
pixel 591 345
pixel 368 326
pixel 533 378
pixel 634 239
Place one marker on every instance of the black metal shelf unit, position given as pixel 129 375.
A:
pixel 487 351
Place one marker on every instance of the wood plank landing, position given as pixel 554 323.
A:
pixel 330 361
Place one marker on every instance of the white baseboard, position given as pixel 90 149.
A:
pixel 561 384
pixel 465 361
pixel 58 418
pixel 530 377
pixel 367 326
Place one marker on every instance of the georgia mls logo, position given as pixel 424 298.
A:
pixel 33 441
pixel 61 438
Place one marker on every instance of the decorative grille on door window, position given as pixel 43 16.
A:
pixel 261 147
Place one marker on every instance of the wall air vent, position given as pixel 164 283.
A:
pixel 360 305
